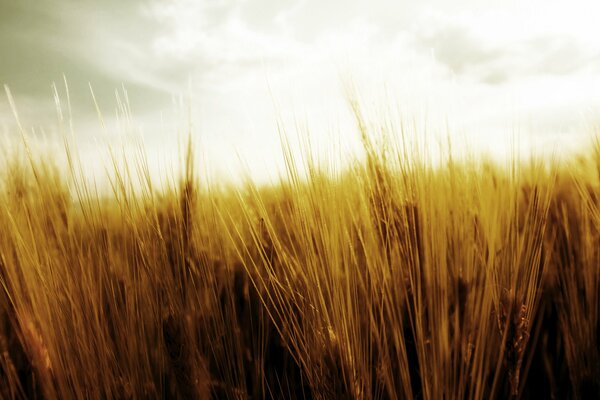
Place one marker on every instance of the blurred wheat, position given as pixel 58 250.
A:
pixel 392 280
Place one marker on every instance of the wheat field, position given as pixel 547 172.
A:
pixel 392 279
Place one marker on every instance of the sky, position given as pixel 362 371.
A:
pixel 235 72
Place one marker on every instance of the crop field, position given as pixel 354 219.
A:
pixel 392 279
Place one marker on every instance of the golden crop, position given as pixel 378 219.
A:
pixel 391 280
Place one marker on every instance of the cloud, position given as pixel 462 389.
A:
pixel 458 49
pixel 102 44
pixel 471 49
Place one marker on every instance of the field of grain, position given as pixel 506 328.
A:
pixel 393 279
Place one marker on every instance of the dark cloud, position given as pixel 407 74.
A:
pixel 458 49
pixel 467 56
pixel 42 41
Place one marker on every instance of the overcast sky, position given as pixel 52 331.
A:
pixel 487 69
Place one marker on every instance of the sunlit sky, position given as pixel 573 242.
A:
pixel 487 70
